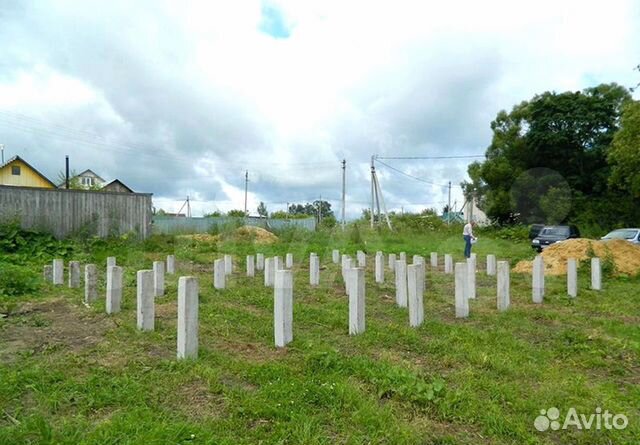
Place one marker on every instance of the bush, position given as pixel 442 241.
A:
pixel 17 280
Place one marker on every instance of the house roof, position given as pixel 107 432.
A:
pixel 122 184
pixel 18 158
pixel 79 175
pixel 89 171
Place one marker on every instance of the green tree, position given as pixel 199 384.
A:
pixel 569 133
pixel 262 210
pixel 236 213
pixel 280 214
pixel 624 155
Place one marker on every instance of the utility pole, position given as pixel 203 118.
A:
pixel 344 191
pixel 449 206
pixel 320 210
pixel 373 178
pixel 2 151
pixel 66 176
pixel 246 189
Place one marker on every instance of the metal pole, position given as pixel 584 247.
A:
pixel 373 172
pixel 2 151
pixel 246 188
pixel 66 176
pixel 344 191
pixel 449 206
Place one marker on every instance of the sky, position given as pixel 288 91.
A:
pixel 182 98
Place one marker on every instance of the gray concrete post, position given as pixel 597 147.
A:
pixel 572 278
pixel 269 272
pixel 219 275
pixel 379 268
pixel 335 256
pixel 401 283
pixel 260 261
pixel 90 283
pixel 357 302
pixel 471 277
pixel 461 282
pixel 58 272
pixel 415 287
pixel 314 270
pixel 288 261
pixel 448 264
pixel 145 307
pixel 283 308
pixel 277 264
pixel 111 261
pixel 537 278
pixel 187 318
pixel 434 260
pixel 403 257
pixel 228 264
pixel 74 274
pixel 504 282
pixel 158 278
pixel 47 273
pixel 392 262
pixel 362 259
pixel 114 289
pixel 491 265
pixel 596 274
pixel 251 266
pixel 171 264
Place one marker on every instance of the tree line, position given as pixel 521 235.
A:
pixel 571 157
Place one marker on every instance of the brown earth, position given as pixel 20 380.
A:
pixel 624 255
pixel 39 328
pixel 244 233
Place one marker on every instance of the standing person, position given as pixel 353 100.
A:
pixel 467 234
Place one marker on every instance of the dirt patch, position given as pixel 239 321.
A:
pixel 50 326
pixel 196 401
pixel 242 234
pixel 624 255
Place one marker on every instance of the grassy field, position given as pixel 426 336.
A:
pixel 71 374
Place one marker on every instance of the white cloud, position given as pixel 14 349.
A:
pixel 204 90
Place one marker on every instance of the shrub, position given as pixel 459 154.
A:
pixel 17 280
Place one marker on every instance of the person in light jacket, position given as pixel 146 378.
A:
pixel 467 234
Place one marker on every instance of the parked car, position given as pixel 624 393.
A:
pixel 631 235
pixel 553 234
pixel 534 230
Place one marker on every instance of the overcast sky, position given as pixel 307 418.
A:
pixel 180 100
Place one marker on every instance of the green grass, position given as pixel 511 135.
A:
pixel 72 375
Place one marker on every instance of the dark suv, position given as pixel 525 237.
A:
pixel 553 234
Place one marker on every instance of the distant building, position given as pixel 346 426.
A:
pixel 87 179
pixel 18 172
pixel 473 213
pixel 117 186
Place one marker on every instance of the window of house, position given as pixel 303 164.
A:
pixel 15 170
pixel 87 181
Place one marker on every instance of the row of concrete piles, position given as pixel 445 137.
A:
pixel 409 280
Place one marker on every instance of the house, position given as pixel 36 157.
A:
pixel 18 172
pixel 117 186
pixel 87 179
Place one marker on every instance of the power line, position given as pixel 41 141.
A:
pixel 411 176
pixel 432 157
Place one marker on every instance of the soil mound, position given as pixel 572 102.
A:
pixel 624 255
pixel 242 234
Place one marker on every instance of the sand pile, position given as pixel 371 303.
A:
pixel 241 234
pixel 624 255
pixel 257 234
pixel 200 237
